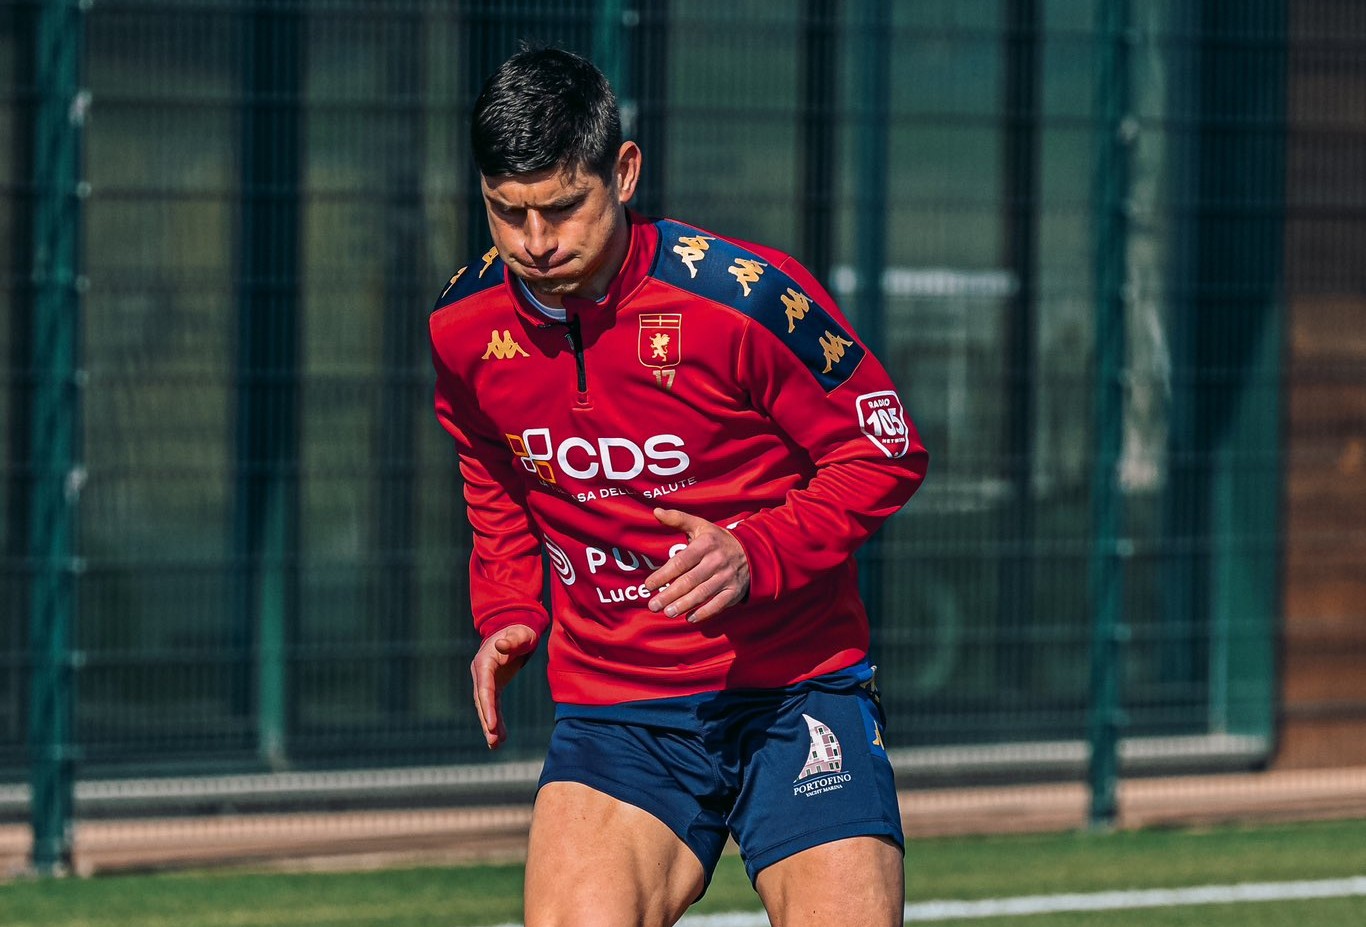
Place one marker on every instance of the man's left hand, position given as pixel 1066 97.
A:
pixel 706 577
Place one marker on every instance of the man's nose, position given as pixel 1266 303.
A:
pixel 540 236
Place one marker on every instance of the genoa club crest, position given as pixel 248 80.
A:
pixel 660 339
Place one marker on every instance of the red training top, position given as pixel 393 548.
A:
pixel 715 377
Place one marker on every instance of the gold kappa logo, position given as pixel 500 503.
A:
pixel 503 347
pixel 746 272
pixel 458 274
pixel 691 249
pixel 489 255
pixel 833 346
pixel 796 305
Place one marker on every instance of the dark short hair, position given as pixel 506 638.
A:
pixel 546 108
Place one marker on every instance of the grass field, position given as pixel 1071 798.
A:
pixel 949 868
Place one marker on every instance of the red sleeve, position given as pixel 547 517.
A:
pixel 505 567
pixel 868 456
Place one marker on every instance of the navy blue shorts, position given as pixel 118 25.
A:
pixel 783 769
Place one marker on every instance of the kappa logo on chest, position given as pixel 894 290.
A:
pixel 502 346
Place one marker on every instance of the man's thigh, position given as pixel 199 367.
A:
pixel 858 880
pixel 594 860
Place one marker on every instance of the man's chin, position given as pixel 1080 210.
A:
pixel 551 286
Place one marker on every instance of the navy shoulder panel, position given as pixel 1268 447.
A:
pixel 724 272
pixel 472 278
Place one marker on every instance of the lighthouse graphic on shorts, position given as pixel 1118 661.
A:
pixel 824 756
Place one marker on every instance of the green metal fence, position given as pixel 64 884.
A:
pixel 233 538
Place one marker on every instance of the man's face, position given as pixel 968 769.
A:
pixel 562 233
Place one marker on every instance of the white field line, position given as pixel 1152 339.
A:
pixel 930 911
pixel 1146 898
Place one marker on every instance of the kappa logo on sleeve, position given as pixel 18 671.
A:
pixel 832 349
pixel 691 249
pixel 454 280
pixel 883 420
pixel 746 271
pixel 489 256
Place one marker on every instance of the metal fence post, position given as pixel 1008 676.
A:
pixel 609 24
pixel 647 50
pixel 1021 175
pixel 1115 134
pixel 874 90
pixel 1238 333
pixel 267 506
pixel 817 133
pixel 59 119
pixel 401 394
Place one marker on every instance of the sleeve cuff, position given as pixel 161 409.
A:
pixel 764 582
pixel 491 626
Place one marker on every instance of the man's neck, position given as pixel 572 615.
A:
pixel 555 312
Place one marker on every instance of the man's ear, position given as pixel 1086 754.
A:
pixel 627 170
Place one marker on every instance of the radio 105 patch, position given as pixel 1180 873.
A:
pixel 882 418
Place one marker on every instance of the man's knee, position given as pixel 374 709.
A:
pixel 602 902
pixel 565 912
pixel 859 880
pixel 594 861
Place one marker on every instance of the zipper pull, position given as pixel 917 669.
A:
pixel 575 336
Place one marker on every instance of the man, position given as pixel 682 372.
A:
pixel 689 429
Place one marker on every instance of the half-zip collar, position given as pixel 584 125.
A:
pixel 586 319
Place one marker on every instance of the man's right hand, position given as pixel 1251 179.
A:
pixel 501 655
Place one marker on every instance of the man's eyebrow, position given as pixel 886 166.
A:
pixel 572 198
pixel 495 199
pixel 569 199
